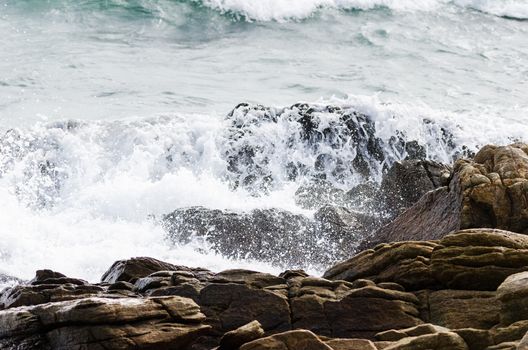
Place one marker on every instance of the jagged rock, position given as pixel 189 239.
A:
pixel 479 259
pixel 131 269
pixel 476 339
pixel 298 339
pixel 490 191
pixel 399 334
pixel 96 323
pixel 238 337
pixel 513 295
pixel 406 263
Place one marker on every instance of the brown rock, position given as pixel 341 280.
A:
pixel 513 295
pixel 236 338
pixel 405 263
pixel 134 268
pixel 489 192
pixel 351 344
pixel 479 259
pixel 463 309
pixel 298 339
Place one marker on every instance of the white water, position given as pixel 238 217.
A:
pixel 146 80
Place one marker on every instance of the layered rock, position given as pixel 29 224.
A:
pixel 489 191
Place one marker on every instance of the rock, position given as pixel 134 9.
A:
pixel 236 338
pixel 131 269
pixel 340 309
pixel 47 286
pixel 463 309
pixel 513 295
pixel 297 339
pixel 407 181
pixel 405 263
pixel 271 235
pixel 479 259
pixel 523 344
pixel 488 192
pixel 436 341
pixel 96 323
pixel 423 329
pixel 317 193
pixel 351 344
pixel 476 339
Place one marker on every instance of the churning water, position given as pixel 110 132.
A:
pixel 113 112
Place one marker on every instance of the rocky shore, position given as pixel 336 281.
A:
pixel 444 267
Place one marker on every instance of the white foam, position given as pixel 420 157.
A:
pixel 505 8
pixel 114 175
pixel 280 10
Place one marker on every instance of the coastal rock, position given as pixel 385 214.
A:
pixel 131 269
pixel 479 259
pixel 238 337
pixel 317 193
pixel 271 235
pixel 407 181
pixel 47 286
pixel 489 191
pixel 405 263
pixel 343 310
pixel 96 323
pixel 297 339
pixel 513 295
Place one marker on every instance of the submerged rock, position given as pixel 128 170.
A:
pixel 272 235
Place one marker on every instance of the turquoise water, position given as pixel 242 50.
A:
pixel 98 95
pixel 115 59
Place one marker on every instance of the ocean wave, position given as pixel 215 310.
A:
pixel 515 9
pixel 272 10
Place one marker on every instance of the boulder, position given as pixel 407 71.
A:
pixel 317 193
pixel 489 191
pixel 351 344
pixel 407 181
pixel 456 309
pixel 238 337
pixel 513 295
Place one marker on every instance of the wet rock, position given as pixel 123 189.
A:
pixel 271 235
pixel 317 193
pixel 407 181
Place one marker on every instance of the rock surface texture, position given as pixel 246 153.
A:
pixel 491 190
pixel 465 291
